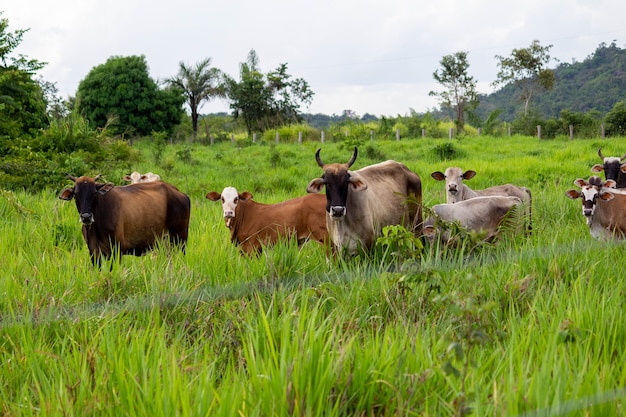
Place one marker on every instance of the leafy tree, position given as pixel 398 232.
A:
pixel 616 119
pixel 22 102
pixel 526 68
pixel 460 88
pixel 266 101
pixel 121 95
pixel 199 83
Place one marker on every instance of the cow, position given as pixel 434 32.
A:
pixel 603 206
pixel 128 219
pixel 360 203
pixel 485 215
pixel 613 168
pixel 254 225
pixel 457 190
pixel 136 177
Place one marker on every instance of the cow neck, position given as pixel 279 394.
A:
pixel 240 214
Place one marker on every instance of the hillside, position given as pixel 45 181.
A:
pixel 596 83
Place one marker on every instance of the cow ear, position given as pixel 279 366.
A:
pixel 214 196
pixel 127 178
pixel 607 196
pixel 580 182
pixel 469 174
pixel 67 194
pixel 438 175
pixel 357 183
pixel 597 168
pixel 246 195
pixel 573 194
pixel 104 188
pixel 623 168
pixel 610 184
pixel 315 186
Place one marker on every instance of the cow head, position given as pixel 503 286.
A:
pixel 338 179
pixel 611 165
pixel 136 177
pixel 85 192
pixel 590 192
pixel 453 177
pixel 229 197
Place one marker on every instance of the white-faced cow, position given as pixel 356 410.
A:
pixel 480 214
pixel 128 219
pixel 457 190
pixel 136 177
pixel 613 167
pixel 604 207
pixel 360 203
pixel 253 225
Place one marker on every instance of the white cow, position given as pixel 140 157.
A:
pixel 136 177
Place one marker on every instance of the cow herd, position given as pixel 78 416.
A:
pixel 357 205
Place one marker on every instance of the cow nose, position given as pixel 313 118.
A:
pixel 86 218
pixel 229 214
pixel 587 212
pixel 452 188
pixel 338 211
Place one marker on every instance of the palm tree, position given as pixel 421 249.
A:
pixel 199 83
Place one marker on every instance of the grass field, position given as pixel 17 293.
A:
pixel 530 326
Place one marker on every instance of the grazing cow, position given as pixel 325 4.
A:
pixel 604 207
pixel 254 224
pixel 136 177
pixel 613 168
pixel 360 203
pixel 480 214
pixel 129 218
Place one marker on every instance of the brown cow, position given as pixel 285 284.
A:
pixel 360 203
pixel 130 218
pixel 253 224
pixel 604 207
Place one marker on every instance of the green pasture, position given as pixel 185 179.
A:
pixel 530 326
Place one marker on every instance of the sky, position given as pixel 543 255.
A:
pixel 369 57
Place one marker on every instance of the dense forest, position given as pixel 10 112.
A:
pixel 596 83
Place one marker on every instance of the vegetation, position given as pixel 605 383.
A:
pixel 528 326
pixel 120 95
pixel 459 87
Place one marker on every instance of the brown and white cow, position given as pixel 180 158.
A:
pixel 613 167
pixel 483 214
pixel 603 206
pixel 128 219
pixel 136 177
pixel 360 203
pixel 253 225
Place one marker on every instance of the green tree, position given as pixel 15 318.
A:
pixel 199 83
pixel 615 119
pixel 22 102
pixel 526 68
pixel 266 101
pixel 121 95
pixel 460 88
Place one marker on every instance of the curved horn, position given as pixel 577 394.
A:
pixel 600 153
pixel 623 157
pixel 351 161
pixel 318 159
pixel 97 177
pixel 73 178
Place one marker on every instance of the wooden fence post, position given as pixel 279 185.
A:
pixel 602 131
pixel 322 136
pixel 571 132
pixel 371 134
pixel 397 134
pixel 539 131
pixel 450 133
pixel 254 137
pixel 423 133
pixel 299 138
pixel 277 137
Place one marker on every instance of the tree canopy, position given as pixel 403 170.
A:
pixel 265 101
pixel 121 95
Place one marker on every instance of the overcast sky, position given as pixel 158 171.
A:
pixel 373 57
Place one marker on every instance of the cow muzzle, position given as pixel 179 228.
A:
pixel 86 219
pixel 337 212
pixel 228 219
pixel 452 189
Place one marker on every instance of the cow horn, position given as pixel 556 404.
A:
pixel 73 178
pixel 97 177
pixel 318 159
pixel 623 157
pixel 351 161
pixel 600 153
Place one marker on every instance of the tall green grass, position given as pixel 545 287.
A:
pixel 530 326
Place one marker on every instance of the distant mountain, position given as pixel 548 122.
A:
pixel 597 83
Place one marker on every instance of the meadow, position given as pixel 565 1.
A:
pixel 530 326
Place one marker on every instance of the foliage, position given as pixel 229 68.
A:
pixel 527 69
pixel 459 87
pixel 22 101
pixel 265 101
pixel 616 119
pixel 199 83
pixel 121 95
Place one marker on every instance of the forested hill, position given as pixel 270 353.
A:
pixel 596 83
